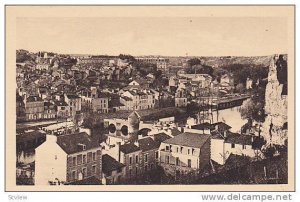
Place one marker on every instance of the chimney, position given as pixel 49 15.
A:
pixel 217 127
pixel 136 143
pixel 225 134
pixel 252 139
pixel 119 152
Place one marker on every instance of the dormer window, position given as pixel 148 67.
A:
pixel 81 147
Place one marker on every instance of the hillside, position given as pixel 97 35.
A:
pixel 230 60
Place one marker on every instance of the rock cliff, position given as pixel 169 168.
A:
pixel 275 108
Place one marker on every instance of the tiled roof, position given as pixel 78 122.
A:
pixel 109 164
pixel 160 137
pixel 127 98
pixel 206 126
pixel 72 96
pixel 129 148
pixel 69 143
pixel 34 99
pixel 239 139
pixel 175 131
pixel 147 144
pixel 189 139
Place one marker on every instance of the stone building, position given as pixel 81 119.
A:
pixel 34 108
pixel 66 159
pixel 185 153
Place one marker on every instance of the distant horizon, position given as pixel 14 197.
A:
pixel 86 54
pixel 169 36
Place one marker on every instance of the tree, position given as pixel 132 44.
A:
pixel 194 61
pixel 252 110
pixel 240 88
pixel 130 58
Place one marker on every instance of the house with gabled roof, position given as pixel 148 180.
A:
pixel 185 153
pixel 67 158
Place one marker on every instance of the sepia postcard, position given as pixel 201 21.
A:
pixel 150 98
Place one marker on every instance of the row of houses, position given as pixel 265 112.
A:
pixel 135 148
pixel 34 108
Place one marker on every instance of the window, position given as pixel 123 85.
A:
pixel 181 149
pixel 177 161
pixel 244 146
pixel 167 148
pixel 84 173
pixel 188 151
pixel 74 175
pixel 189 163
pixel 74 161
pixel 94 169
pixel 130 160
pixel 156 154
pixel 232 145
pixel 146 157
pixel 136 159
pixel 89 157
pixel 84 158
pixel 94 156
pixel 193 151
pixel 79 159
pixel 167 159
pixel 177 150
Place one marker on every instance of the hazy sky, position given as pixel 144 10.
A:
pixel 154 36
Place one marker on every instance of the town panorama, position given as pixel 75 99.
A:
pixel 153 119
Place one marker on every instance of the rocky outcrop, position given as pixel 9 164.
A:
pixel 275 108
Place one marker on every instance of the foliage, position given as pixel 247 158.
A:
pixel 241 72
pixel 194 61
pixel 130 58
pixel 253 108
pixel 240 88
pixel 24 56
pixel 144 68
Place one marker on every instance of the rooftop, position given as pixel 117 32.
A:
pixel 189 139
pixel 147 144
pixel 72 96
pixel 69 143
pixel 207 126
pixel 129 148
pixel 109 164
pixel 34 99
